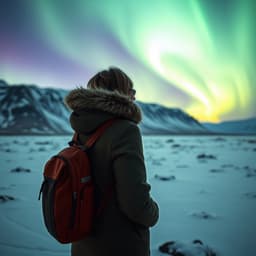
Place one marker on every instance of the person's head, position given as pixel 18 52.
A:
pixel 113 79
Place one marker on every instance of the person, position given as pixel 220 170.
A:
pixel 116 158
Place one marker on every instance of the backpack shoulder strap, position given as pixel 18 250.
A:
pixel 95 136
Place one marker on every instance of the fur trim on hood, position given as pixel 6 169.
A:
pixel 111 102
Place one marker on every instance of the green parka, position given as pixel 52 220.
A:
pixel 116 158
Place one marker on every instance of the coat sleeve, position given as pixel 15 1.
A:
pixel 133 191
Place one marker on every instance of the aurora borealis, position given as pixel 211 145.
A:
pixel 198 55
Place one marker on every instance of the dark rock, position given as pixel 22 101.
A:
pixel 165 178
pixel 197 241
pixel 176 145
pixel 165 247
pixel 251 141
pixel 203 215
pixel 251 195
pixel 219 139
pixel 250 174
pixel 250 171
pixel 216 170
pixel 5 198
pixel 20 169
pixel 204 156
pixel 43 142
pixel 170 141
pixel 179 248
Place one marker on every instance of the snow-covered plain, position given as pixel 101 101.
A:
pixel 205 187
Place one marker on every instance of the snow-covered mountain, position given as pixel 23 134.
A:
pixel 247 126
pixel 32 110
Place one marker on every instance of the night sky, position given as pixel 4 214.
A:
pixel 198 55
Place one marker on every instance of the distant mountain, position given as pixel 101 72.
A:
pixel 32 110
pixel 247 126
pixel 162 120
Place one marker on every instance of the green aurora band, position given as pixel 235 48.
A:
pixel 202 51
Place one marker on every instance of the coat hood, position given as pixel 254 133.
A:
pixel 91 107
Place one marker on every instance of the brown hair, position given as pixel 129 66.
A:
pixel 113 79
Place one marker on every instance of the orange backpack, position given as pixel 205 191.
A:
pixel 68 200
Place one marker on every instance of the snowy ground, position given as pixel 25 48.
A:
pixel 211 198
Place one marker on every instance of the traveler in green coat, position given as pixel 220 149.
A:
pixel 117 160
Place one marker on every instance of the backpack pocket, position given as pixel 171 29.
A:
pixel 47 190
pixel 57 199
